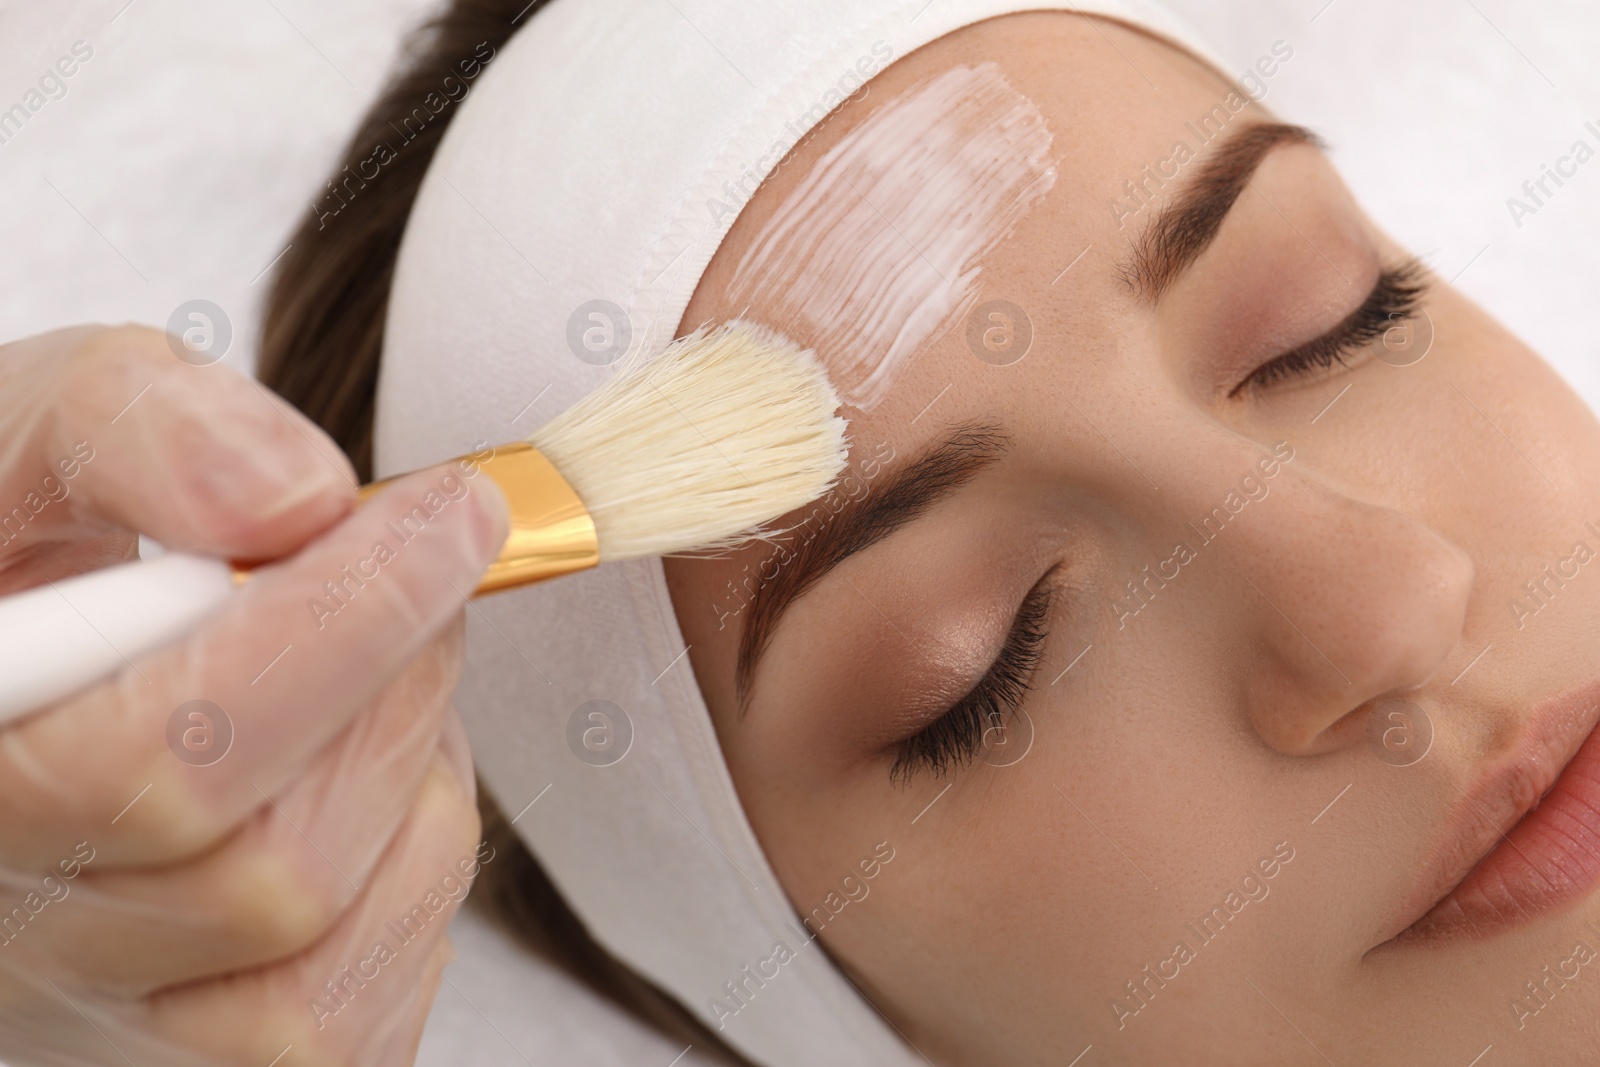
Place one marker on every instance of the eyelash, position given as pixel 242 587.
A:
pixel 1395 300
pixel 956 737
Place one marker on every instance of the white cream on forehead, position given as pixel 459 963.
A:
pixel 875 254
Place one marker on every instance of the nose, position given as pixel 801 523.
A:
pixel 1342 602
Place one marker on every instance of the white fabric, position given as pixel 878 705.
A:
pixel 182 155
pixel 585 166
pixel 505 1007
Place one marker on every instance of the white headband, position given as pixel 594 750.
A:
pixel 603 156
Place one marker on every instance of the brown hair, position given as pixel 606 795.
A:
pixel 320 347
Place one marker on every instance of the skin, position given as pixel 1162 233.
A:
pixel 184 909
pixel 1222 720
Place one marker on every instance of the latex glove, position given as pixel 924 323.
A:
pixel 175 911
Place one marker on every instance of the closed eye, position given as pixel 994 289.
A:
pixel 955 738
pixel 1395 299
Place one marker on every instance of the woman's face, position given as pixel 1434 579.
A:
pixel 1183 666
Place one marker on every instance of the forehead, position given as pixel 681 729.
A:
pixel 924 231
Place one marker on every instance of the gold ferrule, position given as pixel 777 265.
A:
pixel 551 533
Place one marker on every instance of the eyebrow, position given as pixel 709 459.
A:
pixel 905 496
pixel 1177 236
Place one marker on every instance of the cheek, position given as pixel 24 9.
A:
pixel 1532 486
pixel 1003 906
pixel 1480 439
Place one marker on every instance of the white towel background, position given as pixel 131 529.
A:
pixel 186 150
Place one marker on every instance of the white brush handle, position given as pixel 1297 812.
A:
pixel 62 637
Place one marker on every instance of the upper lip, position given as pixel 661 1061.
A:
pixel 1500 798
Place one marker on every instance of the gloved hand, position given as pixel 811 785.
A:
pixel 265 877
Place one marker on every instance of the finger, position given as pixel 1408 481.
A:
pixel 402 1047
pixel 284 669
pixel 46 1024
pixel 453 741
pixel 52 561
pixel 107 427
pixel 272 888
pixel 345 995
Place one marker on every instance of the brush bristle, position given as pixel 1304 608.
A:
pixel 727 430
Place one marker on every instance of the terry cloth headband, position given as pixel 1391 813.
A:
pixel 584 185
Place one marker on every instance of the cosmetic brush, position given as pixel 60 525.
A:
pixel 695 450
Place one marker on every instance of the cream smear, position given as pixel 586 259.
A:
pixel 875 254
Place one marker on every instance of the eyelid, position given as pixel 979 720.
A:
pixel 1395 297
pixel 955 736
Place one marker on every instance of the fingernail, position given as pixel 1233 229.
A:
pixel 261 494
pixel 285 488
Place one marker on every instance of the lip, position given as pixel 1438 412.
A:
pixel 1524 838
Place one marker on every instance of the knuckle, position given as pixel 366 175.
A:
pixel 279 1021
pixel 165 809
pixel 316 1024
pixel 432 675
pixel 252 1022
pixel 285 900
pixel 126 792
pixel 170 820
pixel 451 813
